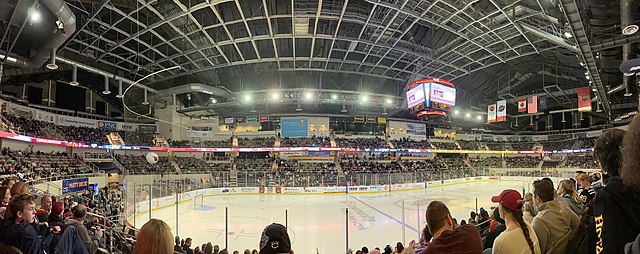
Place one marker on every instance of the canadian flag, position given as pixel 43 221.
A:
pixel 522 105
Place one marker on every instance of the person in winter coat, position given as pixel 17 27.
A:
pixel 555 222
pixel 568 195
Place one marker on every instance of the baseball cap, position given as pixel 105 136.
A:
pixel 510 199
pixel 275 240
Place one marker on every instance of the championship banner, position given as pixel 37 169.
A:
pixel 491 112
pixel 264 118
pixel 358 119
pixel 584 99
pixel 74 185
pixel 522 105
pixel 532 104
pixel 382 120
pixel 502 111
pixel 371 119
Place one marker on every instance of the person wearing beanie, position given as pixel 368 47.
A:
pixel 519 237
pixel 275 240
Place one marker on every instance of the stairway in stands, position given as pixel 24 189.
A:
pixel 114 138
pixel 233 173
pixel 160 141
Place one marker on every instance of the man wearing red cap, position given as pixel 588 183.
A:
pixel 519 237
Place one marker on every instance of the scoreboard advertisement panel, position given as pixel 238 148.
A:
pixel 415 96
pixel 443 94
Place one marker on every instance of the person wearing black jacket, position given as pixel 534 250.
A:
pixel 17 230
pixel 497 230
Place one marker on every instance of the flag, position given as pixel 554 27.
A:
pixel 543 102
pixel 522 105
pixel 502 111
pixel 532 104
pixel 491 112
pixel 584 99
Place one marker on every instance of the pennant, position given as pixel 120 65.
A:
pixel 584 99
pixel 502 111
pixel 522 105
pixel 532 104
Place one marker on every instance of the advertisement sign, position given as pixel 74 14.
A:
pixel 416 129
pixel 251 119
pixel 502 111
pixel 199 131
pixel 371 119
pixel 532 104
pixel 240 119
pixel 415 96
pixel 76 121
pixel 584 99
pixel 443 94
pixel 148 128
pixel 74 185
pixel 45 116
pixel 491 112
pixel 522 105
pixel 111 126
pixel 264 118
pixel 358 119
pixel 228 120
pixel 382 120
pixel 294 127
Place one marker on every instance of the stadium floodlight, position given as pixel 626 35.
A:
pixel 389 101
pixel 275 96
pixel 364 98
pixel 468 115
pixel 479 118
pixel 35 15
pixel 456 112
pixel 308 95
pixel 334 96
pixel 247 97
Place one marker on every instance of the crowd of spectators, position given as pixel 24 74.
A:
pixel 405 143
pixel 198 165
pixel 180 143
pixel 306 142
pixel 522 161
pixel 580 161
pixel 362 142
pixel 256 142
pixel 30 165
pixel 486 162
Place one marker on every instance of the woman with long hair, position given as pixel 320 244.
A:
pixel 519 237
pixel 568 194
pixel 154 238
pixel 6 197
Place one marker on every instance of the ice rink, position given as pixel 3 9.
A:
pixel 316 223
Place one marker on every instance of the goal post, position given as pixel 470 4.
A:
pixel 198 201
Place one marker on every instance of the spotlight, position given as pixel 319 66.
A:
pixel 106 86
pixel 628 94
pixel 247 97
pixel 74 77
pixel 52 60
pixel 468 115
pixel 334 96
pixel 308 96
pixel 389 101
pixel 456 112
pixel 479 118
pixel 275 96
pixel 568 35
pixel 365 98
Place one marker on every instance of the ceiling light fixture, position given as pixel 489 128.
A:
pixel 146 102
pixel 52 60
pixel 119 95
pixel 35 15
pixel 106 85
pixel 389 101
pixel 630 29
pixel 568 35
pixel 74 76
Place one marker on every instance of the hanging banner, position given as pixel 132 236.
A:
pixel 251 119
pixel 358 119
pixel 543 103
pixel 502 111
pixel 228 120
pixel 491 112
pixel 522 105
pixel 264 118
pixel 240 119
pixel 371 119
pixel 382 120
pixel 532 104
pixel 199 131
pixel 584 99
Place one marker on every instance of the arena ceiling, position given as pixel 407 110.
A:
pixel 490 48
